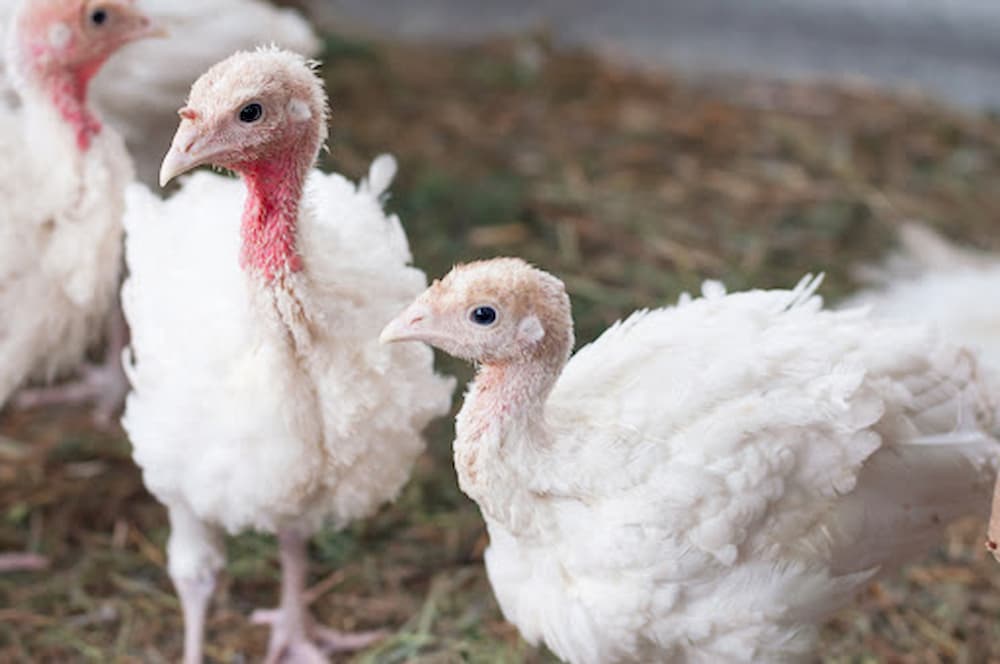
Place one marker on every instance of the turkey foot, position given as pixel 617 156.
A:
pixel 300 639
pixel 103 385
pixel 295 636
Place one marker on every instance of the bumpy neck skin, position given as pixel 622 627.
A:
pixel 275 181
pixel 270 216
pixel 69 96
pixel 65 89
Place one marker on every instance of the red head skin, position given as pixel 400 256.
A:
pixel 272 148
pixel 60 45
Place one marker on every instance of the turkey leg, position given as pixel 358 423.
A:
pixel 295 636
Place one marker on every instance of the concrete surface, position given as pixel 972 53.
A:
pixel 948 48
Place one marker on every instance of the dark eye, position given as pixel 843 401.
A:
pixel 483 316
pixel 99 16
pixel 251 113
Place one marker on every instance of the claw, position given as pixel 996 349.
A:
pixel 293 642
pixel 335 641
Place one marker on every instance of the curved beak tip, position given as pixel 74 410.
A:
pixel 157 30
pixel 409 325
pixel 390 333
pixel 168 171
pixel 144 26
pixel 174 164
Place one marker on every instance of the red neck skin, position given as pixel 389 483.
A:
pixel 68 92
pixel 270 216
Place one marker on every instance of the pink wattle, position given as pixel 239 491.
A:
pixel 69 94
pixel 270 217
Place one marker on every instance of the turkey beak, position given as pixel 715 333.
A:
pixel 153 30
pixel 188 150
pixel 410 325
pixel 137 25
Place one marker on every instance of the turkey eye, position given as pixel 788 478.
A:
pixel 99 16
pixel 484 316
pixel 251 113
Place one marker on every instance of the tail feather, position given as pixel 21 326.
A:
pixel 921 250
pixel 933 251
pixel 908 494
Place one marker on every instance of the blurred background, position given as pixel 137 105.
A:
pixel 633 148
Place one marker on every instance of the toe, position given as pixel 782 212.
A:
pixel 277 647
pixel 264 616
pixel 22 562
pixel 333 641
pixel 305 652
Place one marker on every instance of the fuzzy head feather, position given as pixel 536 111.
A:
pixel 499 311
pixel 251 107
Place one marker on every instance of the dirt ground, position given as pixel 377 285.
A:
pixel 633 187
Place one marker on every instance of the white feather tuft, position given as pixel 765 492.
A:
pixel 380 175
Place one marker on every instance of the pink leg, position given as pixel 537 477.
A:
pixel 22 562
pixel 295 636
pixel 194 556
pixel 194 594
pixel 104 385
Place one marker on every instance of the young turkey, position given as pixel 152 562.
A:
pixel 261 396
pixel 139 92
pixel 62 197
pixel 704 482
pixel 931 280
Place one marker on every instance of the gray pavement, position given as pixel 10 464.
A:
pixel 947 48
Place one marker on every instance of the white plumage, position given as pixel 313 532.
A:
pixel 704 482
pixel 930 280
pixel 61 200
pixel 140 90
pixel 60 244
pixel 263 399
pixel 220 414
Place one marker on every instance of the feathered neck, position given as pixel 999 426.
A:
pixel 503 394
pixel 271 214
pixel 502 422
pixel 502 442
pixel 517 385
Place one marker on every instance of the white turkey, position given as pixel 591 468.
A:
pixel 140 91
pixel 931 280
pixel 704 482
pixel 61 197
pixel 261 396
